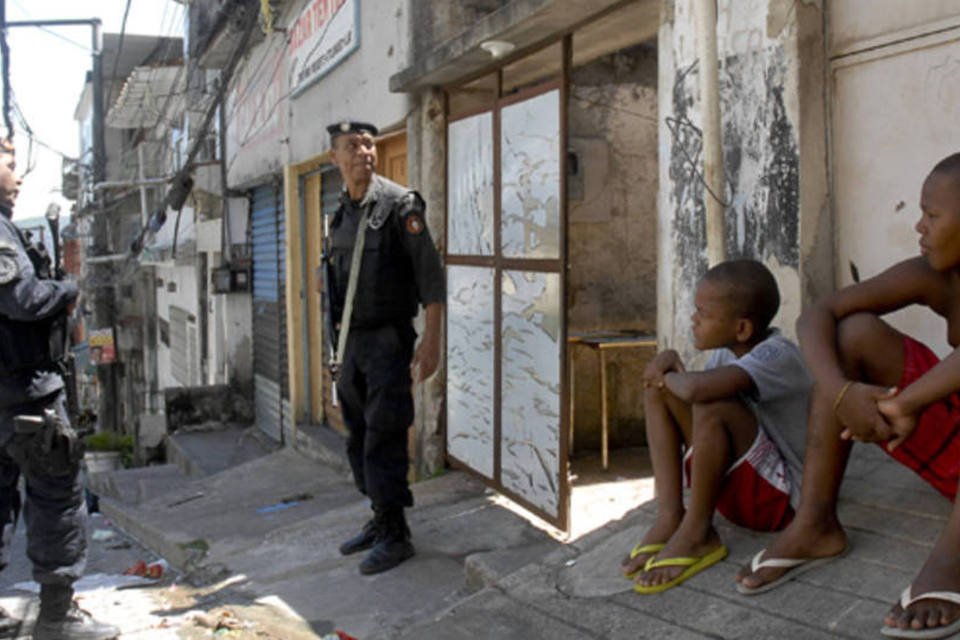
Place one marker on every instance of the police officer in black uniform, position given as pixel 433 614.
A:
pixel 399 270
pixel 36 439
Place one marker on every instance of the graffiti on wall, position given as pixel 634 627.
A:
pixel 761 164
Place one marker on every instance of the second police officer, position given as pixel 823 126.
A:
pixel 379 232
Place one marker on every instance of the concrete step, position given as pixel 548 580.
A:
pixel 204 453
pixel 133 486
pixel 233 508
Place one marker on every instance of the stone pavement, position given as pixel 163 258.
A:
pixel 892 519
pixel 482 571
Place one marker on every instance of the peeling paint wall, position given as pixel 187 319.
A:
pixel 761 110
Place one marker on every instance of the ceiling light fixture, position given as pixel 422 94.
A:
pixel 497 48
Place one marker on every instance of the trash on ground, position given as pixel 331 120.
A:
pixel 338 635
pixel 223 620
pixel 101 535
pixel 153 571
pixel 123 544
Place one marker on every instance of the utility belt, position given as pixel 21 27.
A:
pixel 45 444
pixel 32 346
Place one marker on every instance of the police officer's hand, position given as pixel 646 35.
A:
pixel 425 359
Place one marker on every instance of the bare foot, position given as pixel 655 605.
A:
pixel 819 539
pixel 941 572
pixel 659 533
pixel 682 544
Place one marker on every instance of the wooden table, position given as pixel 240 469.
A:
pixel 602 342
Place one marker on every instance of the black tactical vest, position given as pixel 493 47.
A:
pixel 27 346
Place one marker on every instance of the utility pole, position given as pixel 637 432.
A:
pixel 5 52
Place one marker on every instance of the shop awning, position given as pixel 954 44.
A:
pixel 526 24
pixel 148 92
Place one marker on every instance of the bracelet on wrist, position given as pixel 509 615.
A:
pixel 839 399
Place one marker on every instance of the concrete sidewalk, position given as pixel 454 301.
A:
pixel 482 571
pixel 277 521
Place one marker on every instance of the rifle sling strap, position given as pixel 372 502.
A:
pixel 355 264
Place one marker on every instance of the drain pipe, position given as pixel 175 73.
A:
pixel 714 187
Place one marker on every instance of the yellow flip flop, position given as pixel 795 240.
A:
pixel 693 567
pixel 651 549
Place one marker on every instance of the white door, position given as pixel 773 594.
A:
pixel 895 111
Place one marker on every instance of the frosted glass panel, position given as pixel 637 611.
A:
pixel 470 185
pixel 530 425
pixel 530 177
pixel 470 366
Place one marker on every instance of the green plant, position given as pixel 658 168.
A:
pixel 109 441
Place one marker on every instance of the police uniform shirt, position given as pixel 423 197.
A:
pixel 25 299
pixel 400 266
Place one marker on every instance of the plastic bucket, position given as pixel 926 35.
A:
pixel 99 461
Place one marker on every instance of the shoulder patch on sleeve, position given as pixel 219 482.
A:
pixel 412 207
pixel 9 262
pixel 414 224
pixel 411 202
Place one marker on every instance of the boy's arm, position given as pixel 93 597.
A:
pixel 908 282
pixel 708 386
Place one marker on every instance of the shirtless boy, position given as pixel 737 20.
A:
pixel 875 384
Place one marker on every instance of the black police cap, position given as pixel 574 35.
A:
pixel 351 126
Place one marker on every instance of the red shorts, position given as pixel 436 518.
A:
pixel 756 488
pixel 933 449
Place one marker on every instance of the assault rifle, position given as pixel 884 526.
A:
pixel 326 303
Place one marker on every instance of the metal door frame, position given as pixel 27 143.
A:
pixel 499 264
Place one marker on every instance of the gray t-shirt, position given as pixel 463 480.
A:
pixel 780 400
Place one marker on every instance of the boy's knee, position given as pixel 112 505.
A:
pixel 713 413
pixel 856 330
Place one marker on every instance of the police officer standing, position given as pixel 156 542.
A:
pixel 383 264
pixel 36 439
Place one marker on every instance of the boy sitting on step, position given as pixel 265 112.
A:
pixel 875 384
pixel 736 428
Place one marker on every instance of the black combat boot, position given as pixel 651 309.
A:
pixel 61 619
pixel 9 626
pixel 392 546
pixel 363 540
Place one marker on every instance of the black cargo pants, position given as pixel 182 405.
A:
pixel 377 403
pixel 55 513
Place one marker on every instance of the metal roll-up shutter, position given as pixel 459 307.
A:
pixel 330 187
pixel 272 392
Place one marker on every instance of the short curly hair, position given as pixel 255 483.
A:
pixel 751 290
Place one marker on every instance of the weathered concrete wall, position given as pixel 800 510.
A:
pixel 357 88
pixel 761 111
pixel 184 295
pixel 270 127
pixel 437 21
pixel 881 156
pixel 612 246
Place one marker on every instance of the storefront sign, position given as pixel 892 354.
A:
pixel 102 349
pixel 325 33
